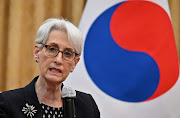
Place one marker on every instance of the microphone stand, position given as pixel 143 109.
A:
pixel 68 107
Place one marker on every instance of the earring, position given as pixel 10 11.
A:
pixel 37 61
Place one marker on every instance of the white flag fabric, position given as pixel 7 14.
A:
pixel 129 62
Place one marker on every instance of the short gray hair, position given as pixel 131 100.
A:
pixel 74 34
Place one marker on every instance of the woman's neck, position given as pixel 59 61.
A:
pixel 48 93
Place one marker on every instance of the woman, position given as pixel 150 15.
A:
pixel 57 50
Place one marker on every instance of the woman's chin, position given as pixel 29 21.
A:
pixel 54 79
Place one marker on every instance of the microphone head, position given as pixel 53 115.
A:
pixel 68 92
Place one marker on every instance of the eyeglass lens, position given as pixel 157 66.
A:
pixel 53 51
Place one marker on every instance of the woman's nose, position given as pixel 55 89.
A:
pixel 59 58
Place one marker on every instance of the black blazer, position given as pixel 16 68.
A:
pixel 12 103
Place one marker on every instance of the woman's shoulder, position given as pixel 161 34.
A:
pixel 12 93
pixel 86 103
pixel 84 98
pixel 11 97
pixel 82 95
pixel 19 93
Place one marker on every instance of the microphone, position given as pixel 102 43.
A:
pixel 68 96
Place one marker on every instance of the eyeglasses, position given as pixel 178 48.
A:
pixel 53 51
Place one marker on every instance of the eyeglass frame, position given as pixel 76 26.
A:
pixel 76 54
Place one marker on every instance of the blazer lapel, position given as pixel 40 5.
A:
pixel 31 98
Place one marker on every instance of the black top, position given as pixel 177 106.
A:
pixel 51 112
pixel 23 103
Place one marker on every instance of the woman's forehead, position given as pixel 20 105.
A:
pixel 61 45
pixel 59 38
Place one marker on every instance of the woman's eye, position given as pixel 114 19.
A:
pixel 68 53
pixel 52 49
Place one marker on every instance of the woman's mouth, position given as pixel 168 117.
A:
pixel 55 70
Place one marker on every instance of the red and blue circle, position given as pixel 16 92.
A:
pixel 130 51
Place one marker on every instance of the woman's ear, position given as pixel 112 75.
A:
pixel 75 63
pixel 36 53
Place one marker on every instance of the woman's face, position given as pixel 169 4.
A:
pixel 55 69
